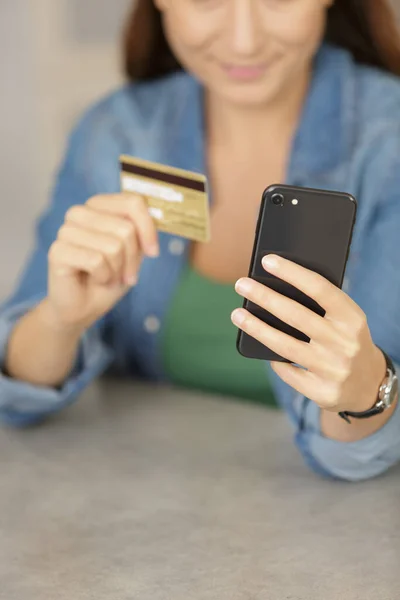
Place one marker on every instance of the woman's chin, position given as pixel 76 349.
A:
pixel 247 96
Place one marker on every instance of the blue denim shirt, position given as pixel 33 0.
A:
pixel 348 140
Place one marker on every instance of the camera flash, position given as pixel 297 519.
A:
pixel 294 201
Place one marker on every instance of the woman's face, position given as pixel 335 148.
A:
pixel 247 51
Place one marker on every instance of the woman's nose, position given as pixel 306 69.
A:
pixel 243 22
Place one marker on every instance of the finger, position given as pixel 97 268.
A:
pixel 335 302
pixel 66 259
pixel 297 378
pixel 308 384
pixel 314 357
pixel 110 246
pixel 135 208
pixel 289 311
pixel 285 345
pixel 304 382
pixel 122 229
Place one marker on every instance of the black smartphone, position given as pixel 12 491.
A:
pixel 310 227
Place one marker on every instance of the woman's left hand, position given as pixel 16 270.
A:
pixel 344 368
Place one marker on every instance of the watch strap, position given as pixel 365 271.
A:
pixel 371 412
pixel 379 407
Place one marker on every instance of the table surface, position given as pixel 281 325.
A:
pixel 149 493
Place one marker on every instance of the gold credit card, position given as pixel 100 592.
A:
pixel 177 199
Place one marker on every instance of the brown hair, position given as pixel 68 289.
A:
pixel 367 28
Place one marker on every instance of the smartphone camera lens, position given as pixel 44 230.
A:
pixel 277 199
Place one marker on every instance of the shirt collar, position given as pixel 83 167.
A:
pixel 321 143
pixel 323 139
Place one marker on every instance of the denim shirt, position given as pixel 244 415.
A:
pixel 348 139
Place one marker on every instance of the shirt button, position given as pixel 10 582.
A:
pixel 176 247
pixel 152 324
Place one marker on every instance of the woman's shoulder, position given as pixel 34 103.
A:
pixel 370 113
pixel 135 106
pixel 377 110
pixel 136 115
pixel 377 97
pixel 369 95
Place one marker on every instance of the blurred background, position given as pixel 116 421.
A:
pixel 57 56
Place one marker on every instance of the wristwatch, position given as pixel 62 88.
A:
pixel 386 396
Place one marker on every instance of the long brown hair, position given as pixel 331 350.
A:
pixel 367 28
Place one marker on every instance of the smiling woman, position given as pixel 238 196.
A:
pixel 367 28
pixel 252 93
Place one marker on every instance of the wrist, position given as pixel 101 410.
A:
pixel 49 318
pixel 377 373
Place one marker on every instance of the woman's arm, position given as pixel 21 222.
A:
pixel 40 351
pixel 345 368
pixel 31 345
pixel 336 428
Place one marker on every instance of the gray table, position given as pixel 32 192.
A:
pixel 150 494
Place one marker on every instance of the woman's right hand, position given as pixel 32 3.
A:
pixel 96 257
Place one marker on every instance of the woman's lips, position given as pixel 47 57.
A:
pixel 244 73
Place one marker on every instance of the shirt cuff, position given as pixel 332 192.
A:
pixel 24 404
pixel 351 461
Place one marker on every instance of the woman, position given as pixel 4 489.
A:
pixel 251 92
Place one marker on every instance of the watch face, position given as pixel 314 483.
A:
pixel 392 393
pixel 395 389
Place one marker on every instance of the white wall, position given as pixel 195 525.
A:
pixel 78 60
pixel 19 191
pixel 57 56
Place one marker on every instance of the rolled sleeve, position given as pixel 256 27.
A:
pixel 374 284
pixel 351 461
pixel 23 404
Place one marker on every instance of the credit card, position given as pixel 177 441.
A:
pixel 177 199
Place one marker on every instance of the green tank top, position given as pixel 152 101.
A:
pixel 199 342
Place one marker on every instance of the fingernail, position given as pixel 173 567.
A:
pixel 153 251
pixel 243 286
pixel 238 316
pixel 270 262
